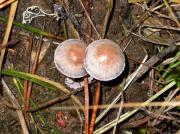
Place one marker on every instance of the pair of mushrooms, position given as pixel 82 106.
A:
pixel 102 59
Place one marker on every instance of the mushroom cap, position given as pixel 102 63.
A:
pixel 104 60
pixel 69 57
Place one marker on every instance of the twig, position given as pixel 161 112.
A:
pixel 53 101
pixel 135 124
pixel 9 44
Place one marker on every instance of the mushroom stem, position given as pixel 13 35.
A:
pixel 86 107
pixel 95 108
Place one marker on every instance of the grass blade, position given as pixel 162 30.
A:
pixel 41 81
pixel 33 29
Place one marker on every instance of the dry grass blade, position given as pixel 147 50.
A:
pixel 175 1
pixel 161 40
pixel 160 117
pixel 16 104
pixel 25 90
pixel 162 109
pixel 8 30
pixel 7 104
pixel 136 1
pixel 72 23
pixel 130 113
pixel 119 113
pixel 153 60
pixel 107 17
pixel 171 12
pixel 4 4
pixel 128 105
pixel 65 3
pixel 99 36
pixel 89 27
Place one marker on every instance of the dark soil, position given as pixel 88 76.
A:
pixel 18 58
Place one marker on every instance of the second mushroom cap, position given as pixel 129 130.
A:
pixel 104 60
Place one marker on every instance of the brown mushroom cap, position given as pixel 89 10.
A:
pixel 69 57
pixel 104 60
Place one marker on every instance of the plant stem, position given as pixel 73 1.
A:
pixel 86 107
pixel 96 102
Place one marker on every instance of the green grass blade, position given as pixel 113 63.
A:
pixel 33 29
pixel 36 79
pixel 41 81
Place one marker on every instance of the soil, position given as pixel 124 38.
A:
pixel 18 58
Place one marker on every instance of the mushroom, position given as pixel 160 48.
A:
pixel 69 57
pixel 104 60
